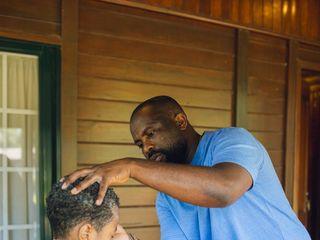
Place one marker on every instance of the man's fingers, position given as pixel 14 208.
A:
pixel 74 176
pixel 102 192
pixel 88 181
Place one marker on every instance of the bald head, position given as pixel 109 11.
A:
pixel 160 104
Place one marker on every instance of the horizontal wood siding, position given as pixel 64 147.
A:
pixel 121 56
pixel 300 18
pixel 128 55
pixel 309 53
pixel 267 93
pixel 34 20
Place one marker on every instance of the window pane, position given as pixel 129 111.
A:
pixel 1 202
pixel 22 140
pixel 22 82
pixel 34 234
pixel 1 177
pixel 23 234
pixel 1 142
pixel 17 198
pixel 1 81
pixel 23 200
pixel 18 234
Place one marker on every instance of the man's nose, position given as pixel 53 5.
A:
pixel 147 148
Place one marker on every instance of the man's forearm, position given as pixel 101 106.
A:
pixel 204 186
pixel 216 186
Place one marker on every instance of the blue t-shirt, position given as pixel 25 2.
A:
pixel 263 212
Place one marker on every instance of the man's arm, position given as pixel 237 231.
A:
pixel 216 186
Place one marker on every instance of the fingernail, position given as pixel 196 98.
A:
pixel 74 191
pixel 98 202
pixel 64 186
pixel 61 180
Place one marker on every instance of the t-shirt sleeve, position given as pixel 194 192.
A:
pixel 169 228
pixel 237 145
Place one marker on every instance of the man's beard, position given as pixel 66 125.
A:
pixel 174 154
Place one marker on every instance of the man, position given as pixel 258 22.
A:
pixel 220 185
pixel 77 217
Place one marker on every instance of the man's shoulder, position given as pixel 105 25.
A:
pixel 228 131
pixel 225 137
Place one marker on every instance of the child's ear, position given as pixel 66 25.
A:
pixel 86 232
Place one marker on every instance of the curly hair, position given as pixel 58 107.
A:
pixel 65 210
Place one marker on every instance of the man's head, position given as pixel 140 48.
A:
pixel 160 128
pixel 78 217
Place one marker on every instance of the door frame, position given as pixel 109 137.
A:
pixel 293 121
pixel 301 65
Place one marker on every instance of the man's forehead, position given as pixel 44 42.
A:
pixel 147 112
pixel 144 119
pixel 150 108
pixel 154 111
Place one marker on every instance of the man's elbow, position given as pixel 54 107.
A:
pixel 223 199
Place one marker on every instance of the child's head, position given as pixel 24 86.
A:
pixel 78 217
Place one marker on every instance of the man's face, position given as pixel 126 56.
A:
pixel 158 136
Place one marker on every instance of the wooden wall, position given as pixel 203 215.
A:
pixel 31 20
pixel 309 53
pixel 120 56
pixel 299 18
pixel 118 68
pixel 266 90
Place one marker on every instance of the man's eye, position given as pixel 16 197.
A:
pixel 150 134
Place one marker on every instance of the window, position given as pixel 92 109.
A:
pixel 29 136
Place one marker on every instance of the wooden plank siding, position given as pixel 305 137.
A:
pixel 141 56
pixel 22 20
pixel 298 18
pixel 117 56
pixel 309 53
pixel 267 82
pixel 69 80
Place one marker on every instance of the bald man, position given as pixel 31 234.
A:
pixel 221 185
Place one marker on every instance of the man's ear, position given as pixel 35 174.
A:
pixel 86 232
pixel 181 121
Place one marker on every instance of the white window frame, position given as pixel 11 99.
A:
pixel 4 168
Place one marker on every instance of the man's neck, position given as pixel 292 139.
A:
pixel 193 143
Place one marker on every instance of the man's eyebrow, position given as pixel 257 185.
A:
pixel 146 129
